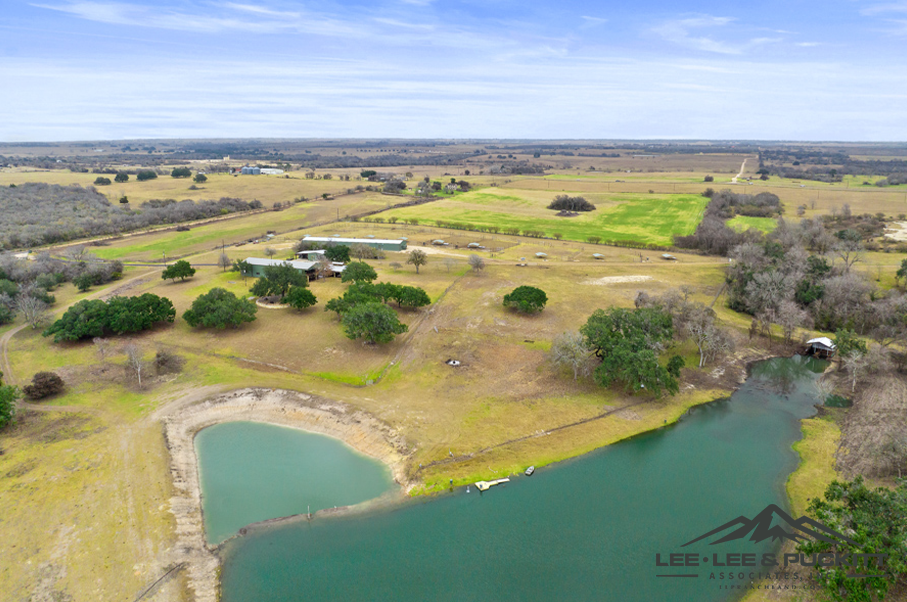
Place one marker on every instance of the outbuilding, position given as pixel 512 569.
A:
pixel 309 268
pixel 378 243
pixel 821 347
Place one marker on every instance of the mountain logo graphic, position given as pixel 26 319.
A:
pixel 762 528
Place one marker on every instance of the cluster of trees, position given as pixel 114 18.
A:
pixel 119 315
pixel 362 308
pixel 37 214
pixel 286 284
pixel 876 522
pixel 25 286
pixel 692 321
pixel 803 277
pixel 383 292
pixel 713 236
pixel 563 202
pixel 827 166
pixel 628 343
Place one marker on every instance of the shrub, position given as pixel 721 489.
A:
pixel 102 181
pixel 167 362
pixel 219 308
pixel 527 299
pixel 44 384
pixel 145 174
pixel 299 298
pixel 181 172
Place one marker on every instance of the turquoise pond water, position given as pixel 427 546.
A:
pixel 585 529
pixel 250 472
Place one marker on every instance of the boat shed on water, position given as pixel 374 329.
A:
pixel 821 347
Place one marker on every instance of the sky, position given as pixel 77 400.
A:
pixel 771 70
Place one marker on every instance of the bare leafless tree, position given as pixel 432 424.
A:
pixel 855 363
pixel 33 310
pixel 134 363
pixel 789 316
pixel 449 262
pixel 101 347
pixel 476 263
pixel 224 261
pixel 849 252
pixel 570 350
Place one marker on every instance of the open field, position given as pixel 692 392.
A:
pixel 649 219
pixel 157 245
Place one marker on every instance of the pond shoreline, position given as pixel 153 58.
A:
pixel 356 428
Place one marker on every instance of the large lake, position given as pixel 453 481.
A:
pixel 586 529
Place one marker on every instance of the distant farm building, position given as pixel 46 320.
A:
pixel 250 171
pixel 314 255
pixel 309 268
pixel 379 243
pixel 269 171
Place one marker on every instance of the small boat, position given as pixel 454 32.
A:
pixel 530 470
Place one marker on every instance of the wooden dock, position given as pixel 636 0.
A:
pixel 484 485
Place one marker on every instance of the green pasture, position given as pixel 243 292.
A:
pixel 742 223
pixel 653 219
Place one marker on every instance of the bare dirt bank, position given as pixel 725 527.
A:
pixel 182 421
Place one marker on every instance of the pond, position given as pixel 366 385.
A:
pixel 251 471
pixel 585 529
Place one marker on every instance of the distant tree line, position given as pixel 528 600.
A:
pixel 40 214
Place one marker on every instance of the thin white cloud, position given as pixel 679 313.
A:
pixel 251 8
pixel 592 21
pixel 808 44
pixel 681 32
pixel 879 9
pixel 236 17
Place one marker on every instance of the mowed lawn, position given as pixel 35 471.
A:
pixel 651 219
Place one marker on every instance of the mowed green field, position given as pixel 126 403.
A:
pixel 651 219
pixel 741 223
pixel 155 246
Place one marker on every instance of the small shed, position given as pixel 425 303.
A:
pixel 598 256
pixel 821 347
pixel 668 257
pixel 542 255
